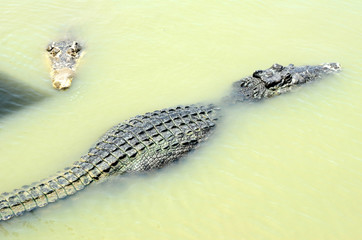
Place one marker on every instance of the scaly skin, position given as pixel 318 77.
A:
pixel 143 143
pixel 64 56
pixel 153 140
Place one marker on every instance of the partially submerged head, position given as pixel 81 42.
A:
pixel 277 80
pixel 64 56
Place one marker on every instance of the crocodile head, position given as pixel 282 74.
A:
pixel 277 80
pixel 64 56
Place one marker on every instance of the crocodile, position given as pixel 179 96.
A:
pixel 155 139
pixel 64 56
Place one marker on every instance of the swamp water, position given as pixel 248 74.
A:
pixel 287 168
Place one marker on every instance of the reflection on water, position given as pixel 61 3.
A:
pixel 15 95
pixel 288 168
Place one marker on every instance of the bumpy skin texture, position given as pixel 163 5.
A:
pixel 64 56
pixel 277 80
pixel 153 140
pixel 145 142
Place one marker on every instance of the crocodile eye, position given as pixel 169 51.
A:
pixel 49 48
pixel 72 52
pixel 54 51
pixel 76 47
pixel 243 83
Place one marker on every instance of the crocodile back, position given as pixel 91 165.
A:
pixel 153 140
pixel 142 143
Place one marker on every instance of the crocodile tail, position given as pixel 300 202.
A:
pixel 63 184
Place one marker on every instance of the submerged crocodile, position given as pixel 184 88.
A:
pixel 155 139
pixel 64 56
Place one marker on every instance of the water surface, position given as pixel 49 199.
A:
pixel 288 168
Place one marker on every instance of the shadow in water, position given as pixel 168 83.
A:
pixel 15 95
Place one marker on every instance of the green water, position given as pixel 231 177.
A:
pixel 289 168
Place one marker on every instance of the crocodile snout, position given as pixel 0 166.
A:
pixel 62 78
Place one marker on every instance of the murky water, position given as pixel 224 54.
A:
pixel 288 168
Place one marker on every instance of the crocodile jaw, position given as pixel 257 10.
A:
pixel 62 78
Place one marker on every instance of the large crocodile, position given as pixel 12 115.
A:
pixel 153 140
pixel 64 56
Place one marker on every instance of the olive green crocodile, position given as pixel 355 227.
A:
pixel 153 140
